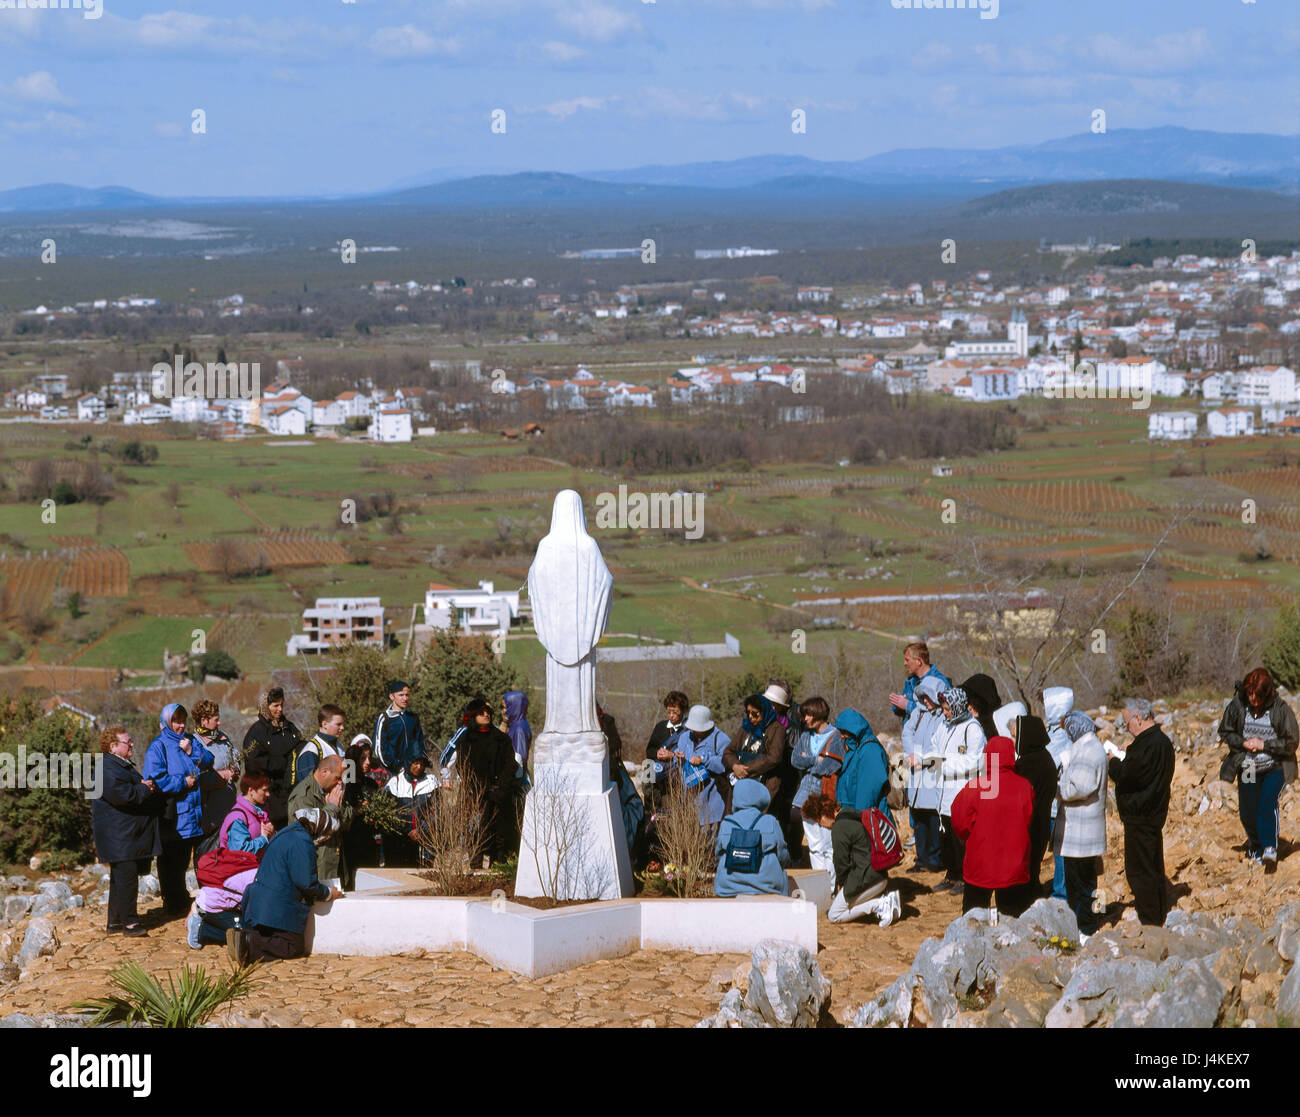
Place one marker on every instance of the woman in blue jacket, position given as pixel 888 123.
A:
pixel 749 802
pixel 173 761
pixel 864 776
pixel 277 903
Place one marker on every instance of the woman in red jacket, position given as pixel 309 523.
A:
pixel 991 814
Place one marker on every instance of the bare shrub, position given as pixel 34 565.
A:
pixel 683 842
pixel 451 837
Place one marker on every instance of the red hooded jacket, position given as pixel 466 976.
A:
pixel 991 815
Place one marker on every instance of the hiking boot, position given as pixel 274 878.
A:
pixel 957 888
pixel 135 931
pixel 943 886
pixel 1269 857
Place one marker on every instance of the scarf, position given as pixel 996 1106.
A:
pixel 955 698
pixel 318 823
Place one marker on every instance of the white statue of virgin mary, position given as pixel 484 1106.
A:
pixel 570 587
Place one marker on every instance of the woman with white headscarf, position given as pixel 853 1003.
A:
pixel 960 741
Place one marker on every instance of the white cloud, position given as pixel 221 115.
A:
pixel 594 20
pixel 60 123
pixel 690 105
pixel 558 51
pixel 562 110
pixel 1179 50
pixel 409 41
pixel 40 85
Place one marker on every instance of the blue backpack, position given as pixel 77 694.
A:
pixel 745 850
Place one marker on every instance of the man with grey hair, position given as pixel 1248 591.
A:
pixel 1142 775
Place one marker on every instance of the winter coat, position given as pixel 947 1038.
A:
pixel 271 748
pixel 749 800
pixel 864 775
pixel 1035 763
pixel 851 855
pixel 962 749
pixel 1081 818
pixel 286 884
pixel 1142 778
pixel 241 830
pixel 764 756
pixel 992 816
pixel 167 764
pixel 631 808
pixel 491 757
pixel 1282 747
pixel 816 762
pixel 398 738
pixel 329 857
pixel 412 797
pixel 909 689
pixel 518 729
pixel 125 816
pixel 1057 702
pixel 924 783
pixel 661 737
pixel 710 800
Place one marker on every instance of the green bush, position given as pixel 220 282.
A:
pixel 1150 660
pixel 1282 653
pixel 189 1003
pixel 725 693
pixel 35 819
pixel 215 662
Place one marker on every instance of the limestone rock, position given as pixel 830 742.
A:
pixel 39 941
pixel 149 885
pixel 1097 988
pixel 17 905
pixel 56 888
pixel 191 881
pixel 1288 997
pixel 786 986
pixel 1187 995
pixel 892 1009
pixel 732 1013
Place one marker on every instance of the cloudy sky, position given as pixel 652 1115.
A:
pixel 324 96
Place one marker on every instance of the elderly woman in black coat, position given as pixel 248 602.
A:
pixel 125 819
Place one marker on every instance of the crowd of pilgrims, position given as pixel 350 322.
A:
pixel 987 788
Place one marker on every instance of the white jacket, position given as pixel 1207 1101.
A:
pixel 924 785
pixel 1057 702
pixel 1081 823
pixel 962 749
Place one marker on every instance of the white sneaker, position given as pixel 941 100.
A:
pixel 1083 940
pixel 887 908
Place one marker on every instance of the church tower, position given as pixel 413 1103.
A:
pixel 1018 332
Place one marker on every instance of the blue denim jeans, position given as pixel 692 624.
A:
pixel 1058 877
pixel 925 825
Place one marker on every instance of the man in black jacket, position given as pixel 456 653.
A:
pixel 1142 775
pixel 271 742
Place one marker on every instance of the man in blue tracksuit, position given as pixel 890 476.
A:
pixel 916 662
pixel 398 737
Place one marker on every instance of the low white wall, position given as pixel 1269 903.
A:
pixel 377 925
pixel 726 926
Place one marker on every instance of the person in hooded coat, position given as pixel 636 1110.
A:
pixel 174 762
pixel 992 817
pixel 1035 763
pixel 864 774
pixel 982 698
pixel 924 787
pixel 1057 702
pixel 750 800
pixel 757 752
pixel 517 727
pixel 959 741
pixel 1080 836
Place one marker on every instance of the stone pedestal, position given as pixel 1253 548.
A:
pixel 573 845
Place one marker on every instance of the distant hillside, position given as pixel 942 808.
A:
pixel 61 196
pixel 1120 198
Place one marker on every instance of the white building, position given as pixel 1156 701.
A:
pixel 328 413
pixel 354 404
pixel 90 409
pixel 1270 384
pixel 484 611
pixel 148 415
pixel 335 621
pixel 284 419
pixel 1230 422
pixel 1016 344
pixel 1172 425
pixel 988 384
pixel 814 294
pixel 391 425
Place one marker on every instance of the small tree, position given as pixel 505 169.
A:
pixel 1282 653
pixel 1149 657
pixel 452 670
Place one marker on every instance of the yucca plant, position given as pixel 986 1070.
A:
pixel 185 1003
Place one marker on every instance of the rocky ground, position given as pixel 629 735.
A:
pixel 53 951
